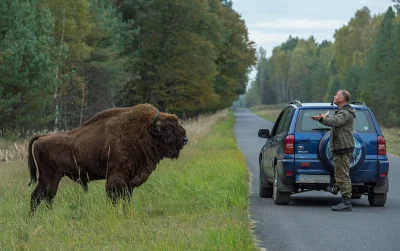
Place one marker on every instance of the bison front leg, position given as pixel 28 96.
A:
pixel 117 188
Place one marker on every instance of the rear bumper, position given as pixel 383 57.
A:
pixel 370 172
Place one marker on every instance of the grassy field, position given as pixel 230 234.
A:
pixel 268 112
pixel 198 202
pixel 392 135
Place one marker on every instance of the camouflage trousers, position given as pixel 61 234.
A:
pixel 341 163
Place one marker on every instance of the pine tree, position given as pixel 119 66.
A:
pixel 27 66
pixel 106 69
pixel 379 70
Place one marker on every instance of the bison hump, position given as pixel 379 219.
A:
pixel 105 114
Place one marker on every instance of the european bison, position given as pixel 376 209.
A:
pixel 121 145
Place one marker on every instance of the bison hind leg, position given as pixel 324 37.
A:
pixel 52 187
pixel 45 191
pixel 37 196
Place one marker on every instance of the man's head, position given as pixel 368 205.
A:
pixel 341 98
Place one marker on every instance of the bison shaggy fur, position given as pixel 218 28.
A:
pixel 121 145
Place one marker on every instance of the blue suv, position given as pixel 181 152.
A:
pixel 296 156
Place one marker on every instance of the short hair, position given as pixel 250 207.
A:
pixel 345 95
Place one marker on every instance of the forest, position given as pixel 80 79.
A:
pixel 62 61
pixel 364 59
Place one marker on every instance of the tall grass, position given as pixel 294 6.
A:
pixel 198 202
pixel 268 112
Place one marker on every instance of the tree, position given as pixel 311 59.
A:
pixel 349 46
pixel 72 26
pixel 397 5
pixel 379 71
pixel 194 55
pixel 278 69
pixel 27 66
pixel 321 74
pixel 299 75
pixel 236 54
pixel 253 95
pixel 106 69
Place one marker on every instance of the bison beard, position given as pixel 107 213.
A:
pixel 121 145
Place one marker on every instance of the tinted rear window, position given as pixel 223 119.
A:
pixel 362 123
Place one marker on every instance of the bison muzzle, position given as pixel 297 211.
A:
pixel 121 145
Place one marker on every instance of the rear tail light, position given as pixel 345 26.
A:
pixel 289 144
pixel 381 145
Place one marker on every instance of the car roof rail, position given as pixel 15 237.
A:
pixel 296 103
pixel 358 103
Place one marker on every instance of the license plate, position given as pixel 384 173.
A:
pixel 309 178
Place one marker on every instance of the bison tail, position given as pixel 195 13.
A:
pixel 32 161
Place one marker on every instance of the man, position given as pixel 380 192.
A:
pixel 342 145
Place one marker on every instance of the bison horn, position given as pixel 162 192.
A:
pixel 155 117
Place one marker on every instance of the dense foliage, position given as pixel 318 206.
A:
pixel 63 61
pixel 364 59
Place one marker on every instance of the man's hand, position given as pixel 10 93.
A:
pixel 317 118
pixel 324 114
pixel 320 115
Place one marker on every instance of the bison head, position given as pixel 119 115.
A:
pixel 168 134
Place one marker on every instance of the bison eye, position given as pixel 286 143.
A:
pixel 155 131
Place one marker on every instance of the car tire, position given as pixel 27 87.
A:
pixel 280 198
pixel 264 191
pixel 377 199
pixel 356 195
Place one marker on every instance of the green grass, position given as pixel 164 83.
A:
pixel 268 112
pixel 198 202
pixel 392 135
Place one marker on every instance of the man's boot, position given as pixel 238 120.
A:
pixel 344 206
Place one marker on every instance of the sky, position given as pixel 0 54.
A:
pixel 270 22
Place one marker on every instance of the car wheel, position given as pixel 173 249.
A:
pixel 377 199
pixel 280 198
pixel 356 195
pixel 265 191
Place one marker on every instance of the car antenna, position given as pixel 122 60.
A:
pixel 332 100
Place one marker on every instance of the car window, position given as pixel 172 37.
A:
pixel 284 122
pixel 362 122
pixel 279 122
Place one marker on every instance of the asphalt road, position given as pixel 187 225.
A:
pixel 308 223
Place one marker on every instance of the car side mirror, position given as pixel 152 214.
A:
pixel 264 133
